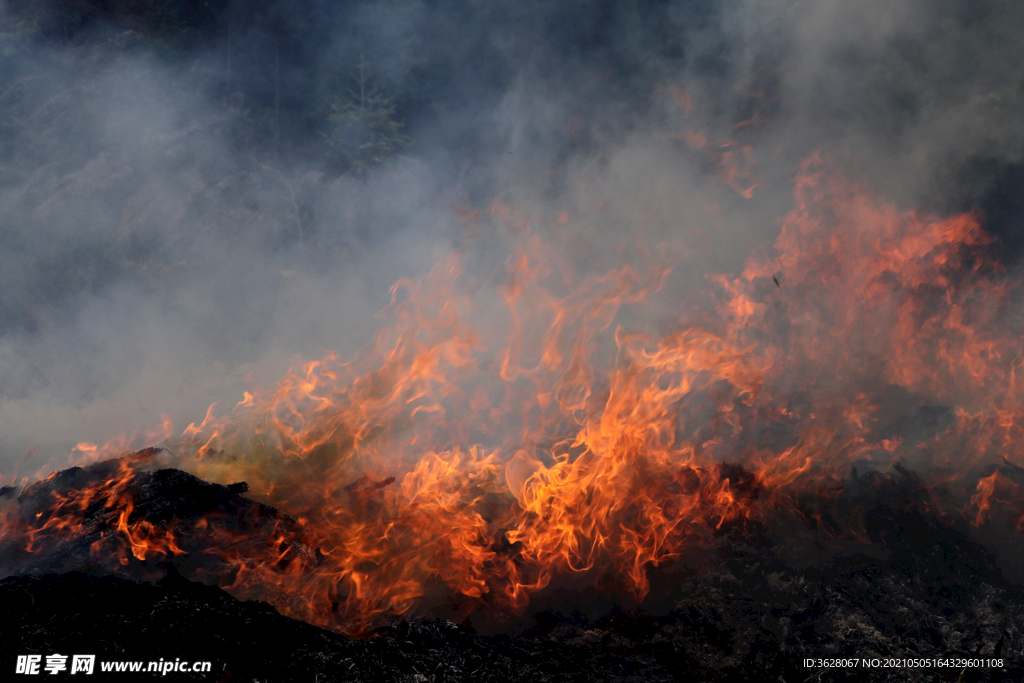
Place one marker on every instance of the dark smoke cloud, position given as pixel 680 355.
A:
pixel 172 227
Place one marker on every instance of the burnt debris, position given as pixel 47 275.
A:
pixel 754 606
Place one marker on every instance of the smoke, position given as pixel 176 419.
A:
pixel 177 227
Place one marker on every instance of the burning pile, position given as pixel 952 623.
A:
pixel 469 460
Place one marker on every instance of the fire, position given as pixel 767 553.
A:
pixel 106 505
pixel 467 460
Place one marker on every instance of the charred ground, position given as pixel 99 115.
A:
pixel 763 598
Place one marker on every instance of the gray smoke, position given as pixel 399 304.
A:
pixel 175 225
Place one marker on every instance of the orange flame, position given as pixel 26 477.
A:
pixel 468 467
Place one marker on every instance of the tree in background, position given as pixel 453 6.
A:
pixel 365 132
